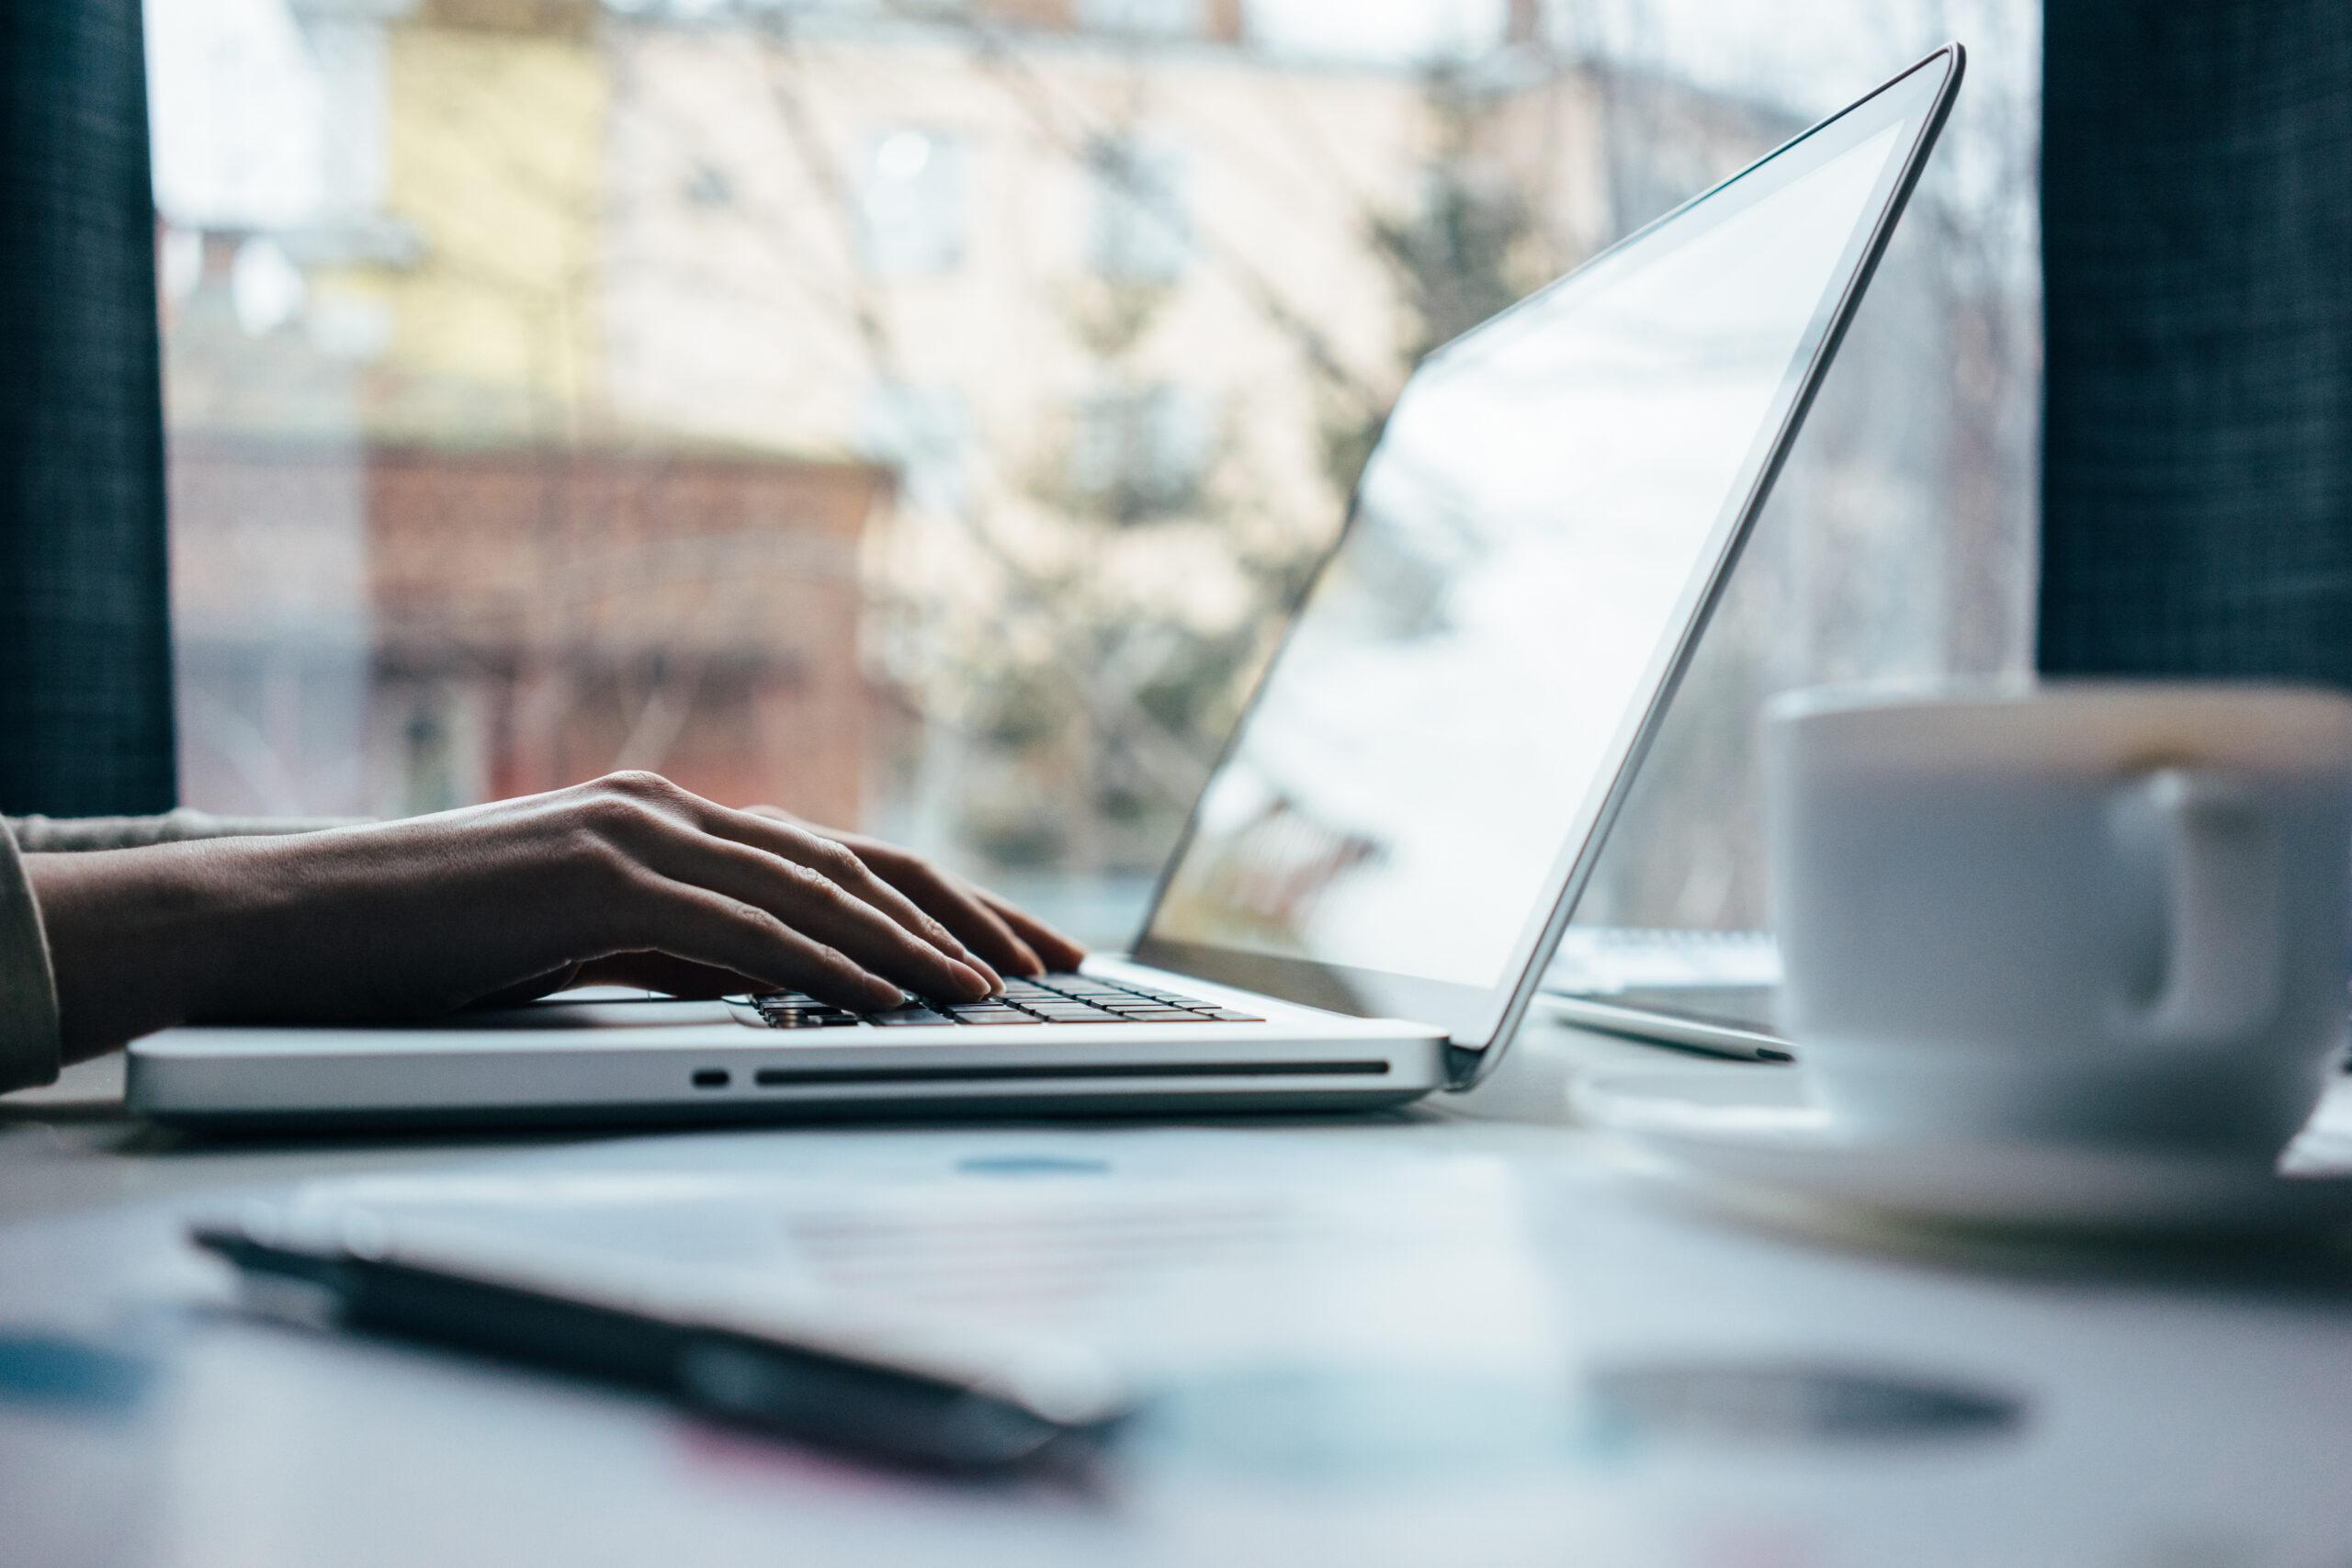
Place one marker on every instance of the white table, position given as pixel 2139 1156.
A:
pixel 1638 1377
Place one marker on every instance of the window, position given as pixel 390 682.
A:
pixel 557 388
pixel 911 204
pixel 1140 233
pixel 709 187
pixel 1141 453
pixel 1160 18
pixel 922 433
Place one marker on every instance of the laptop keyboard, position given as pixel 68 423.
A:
pixel 1051 999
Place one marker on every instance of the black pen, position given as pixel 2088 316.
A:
pixel 1052 1418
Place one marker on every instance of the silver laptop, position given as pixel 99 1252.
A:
pixel 1378 869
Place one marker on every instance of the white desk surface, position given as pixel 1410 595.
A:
pixel 1592 1369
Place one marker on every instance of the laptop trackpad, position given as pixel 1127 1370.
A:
pixel 624 1011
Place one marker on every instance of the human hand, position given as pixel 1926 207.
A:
pixel 415 918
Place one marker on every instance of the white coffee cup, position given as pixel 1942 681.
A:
pixel 2093 912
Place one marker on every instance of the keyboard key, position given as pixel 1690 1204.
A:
pixel 1166 1015
pixel 990 1018
pixel 1228 1015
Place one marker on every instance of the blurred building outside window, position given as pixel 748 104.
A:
pixel 920 415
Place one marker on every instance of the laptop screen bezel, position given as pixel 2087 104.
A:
pixel 1477 1018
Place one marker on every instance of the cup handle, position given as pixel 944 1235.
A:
pixel 2222 890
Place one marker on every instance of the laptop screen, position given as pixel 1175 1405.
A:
pixel 1532 542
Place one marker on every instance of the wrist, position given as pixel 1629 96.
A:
pixel 139 939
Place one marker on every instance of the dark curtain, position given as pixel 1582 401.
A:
pixel 2197 222
pixel 85 698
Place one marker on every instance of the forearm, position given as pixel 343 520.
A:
pixel 89 958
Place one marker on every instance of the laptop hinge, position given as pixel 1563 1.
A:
pixel 1462 1064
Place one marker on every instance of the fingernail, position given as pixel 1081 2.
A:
pixel 980 984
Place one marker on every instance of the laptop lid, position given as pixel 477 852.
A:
pixel 1402 821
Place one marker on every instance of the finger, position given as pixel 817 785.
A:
pixel 1060 951
pixel 842 864
pixel 986 939
pixel 778 833
pixel 701 927
pixel 957 906
pixel 811 902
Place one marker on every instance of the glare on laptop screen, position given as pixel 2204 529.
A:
pixel 1543 504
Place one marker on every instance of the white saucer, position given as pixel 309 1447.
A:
pixel 1756 1135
